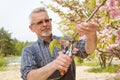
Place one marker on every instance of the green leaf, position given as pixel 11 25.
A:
pixel 92 3
pixel 54 43
pixel 113 38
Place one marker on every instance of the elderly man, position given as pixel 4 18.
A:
pixel 36 61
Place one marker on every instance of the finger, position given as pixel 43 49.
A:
pixel 66 60
pixel 65 43
pixel 60 65
pixel 64 68
pixel 94 26
pixel 75 51
pixel 83 27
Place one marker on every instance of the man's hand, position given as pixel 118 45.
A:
pixel 62 62
pixel 87 28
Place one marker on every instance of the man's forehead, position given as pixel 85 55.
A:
pixel 39 16
pixel 39 13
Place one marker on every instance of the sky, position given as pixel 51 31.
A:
pixel 14 18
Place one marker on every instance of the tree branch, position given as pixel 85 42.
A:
pixel 90 17
pixel 102 51
pixel 95 11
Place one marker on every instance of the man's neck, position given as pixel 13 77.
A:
pixel 47 38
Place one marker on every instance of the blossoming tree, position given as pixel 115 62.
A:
pixel 108 18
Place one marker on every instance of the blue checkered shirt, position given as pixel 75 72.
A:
pixel 37 55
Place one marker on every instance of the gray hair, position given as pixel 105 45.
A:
pixel 37 10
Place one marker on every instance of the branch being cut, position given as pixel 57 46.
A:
pixel 90 17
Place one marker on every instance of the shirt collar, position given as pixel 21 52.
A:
pixel 42 41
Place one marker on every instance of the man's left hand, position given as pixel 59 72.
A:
pixel 87 28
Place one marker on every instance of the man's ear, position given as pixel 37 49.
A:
pixel 31 28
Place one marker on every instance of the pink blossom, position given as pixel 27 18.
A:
pixel 118 73
pixel 118 37
pixel 113 9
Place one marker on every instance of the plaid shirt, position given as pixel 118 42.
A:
pixel 37 55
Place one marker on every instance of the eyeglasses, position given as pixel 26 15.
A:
pixel 42 21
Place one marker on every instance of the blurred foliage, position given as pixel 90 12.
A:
pixel 9 46
pixel 3 62
pixel 6 43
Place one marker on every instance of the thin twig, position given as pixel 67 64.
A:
pixel 95 11
pixel 102 51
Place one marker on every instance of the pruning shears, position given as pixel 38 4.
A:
pixel 69 53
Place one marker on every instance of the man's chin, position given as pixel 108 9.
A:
pixel 46 34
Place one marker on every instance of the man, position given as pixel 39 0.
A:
pixel 36 61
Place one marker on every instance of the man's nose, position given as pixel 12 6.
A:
pixel 44 23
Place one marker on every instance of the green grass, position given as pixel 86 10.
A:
pixel 14 67
pixel 94 63
pixel 3 63
pixel 117 78
pixel 91 62
pixel 110 69
pixel 2 68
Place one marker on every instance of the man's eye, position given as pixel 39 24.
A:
pixel 40 22
pixel 47 20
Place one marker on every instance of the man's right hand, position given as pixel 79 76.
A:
pixel 62 62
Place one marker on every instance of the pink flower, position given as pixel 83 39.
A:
pixel 113 9
pixel 118 37
pixel 118 73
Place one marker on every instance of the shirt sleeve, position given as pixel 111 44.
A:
pixel 82 52
pixel 27 62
